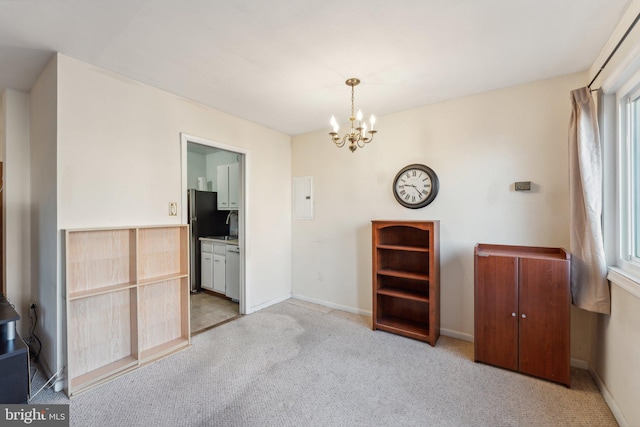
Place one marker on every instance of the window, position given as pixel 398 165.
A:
pixel 628 177
pixel 634 168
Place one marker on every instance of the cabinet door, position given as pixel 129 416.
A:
pixel 234 185
pixel 496 321
pixel 219 275
pixel 223 187
pixel 206 268
pixel 545 318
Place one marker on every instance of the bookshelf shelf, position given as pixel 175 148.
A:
pixel 406 278
pixel 127 299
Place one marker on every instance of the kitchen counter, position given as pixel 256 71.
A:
pixel 214 239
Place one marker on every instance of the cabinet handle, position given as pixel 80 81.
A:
pixel 513 314
pixel 524 316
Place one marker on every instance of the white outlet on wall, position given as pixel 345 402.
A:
pixel 173 209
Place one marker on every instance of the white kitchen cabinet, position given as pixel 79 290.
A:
pixel 232 271
pixel 219 273
pixel 213 266
pixel 206 267
pixel 228 186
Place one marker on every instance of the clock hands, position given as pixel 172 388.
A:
pixel 416 188
pixel 420 193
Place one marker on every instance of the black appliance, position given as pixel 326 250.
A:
pixel 204 220
pixel 14 358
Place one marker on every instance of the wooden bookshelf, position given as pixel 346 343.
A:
pixel 127 295
pixel 406 278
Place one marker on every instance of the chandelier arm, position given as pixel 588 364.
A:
pixel 344 140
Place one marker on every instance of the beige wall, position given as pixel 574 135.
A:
pixel 479 146
pixel 45 238
pixel 17 210
pixel 117 152
pixel 119 164
pixel 616 358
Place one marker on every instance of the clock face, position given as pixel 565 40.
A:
pixel 415 186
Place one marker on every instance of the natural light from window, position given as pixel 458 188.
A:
pixel 628 172
pixel 634 148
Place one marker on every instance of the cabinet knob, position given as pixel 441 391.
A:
pixel 524 316
pixel 513 314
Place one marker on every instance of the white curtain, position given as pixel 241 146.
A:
pixel 589 286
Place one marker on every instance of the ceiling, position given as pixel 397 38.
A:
pixel 283 63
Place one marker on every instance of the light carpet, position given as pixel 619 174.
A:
pixel 298 364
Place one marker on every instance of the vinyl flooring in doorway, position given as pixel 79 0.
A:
pixel 208 311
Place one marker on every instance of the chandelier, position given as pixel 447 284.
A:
pixel 357 137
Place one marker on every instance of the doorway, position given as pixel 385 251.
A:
pixel 213 196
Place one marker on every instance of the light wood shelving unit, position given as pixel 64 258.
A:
pixel 406 278
pixel 127 292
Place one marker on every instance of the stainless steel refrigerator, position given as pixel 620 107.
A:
pixel 205 220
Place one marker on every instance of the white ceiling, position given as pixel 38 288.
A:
pixel 283 63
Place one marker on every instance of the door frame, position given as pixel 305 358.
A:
pixel 243 202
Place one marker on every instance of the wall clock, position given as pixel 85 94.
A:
pixel 415 186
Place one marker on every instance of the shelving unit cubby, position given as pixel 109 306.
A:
pixel 406 278
pixel 127 292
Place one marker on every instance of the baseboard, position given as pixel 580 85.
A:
pixel 332 305
pixel 58 383
pixel 608 398
pixel 455 334
pixel 580 364
pixel 269 303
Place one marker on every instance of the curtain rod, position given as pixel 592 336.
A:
pixel 615 49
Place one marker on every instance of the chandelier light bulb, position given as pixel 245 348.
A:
pixel 373 121
pixel 359 116
pixel 334 124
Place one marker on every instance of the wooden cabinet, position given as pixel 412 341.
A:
pixel 522 310
pixel 406 278
pixel 127 293
pixel 228 186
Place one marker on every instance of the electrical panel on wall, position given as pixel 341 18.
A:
pixel 303 197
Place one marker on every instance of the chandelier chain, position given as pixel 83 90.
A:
pixel 353 108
